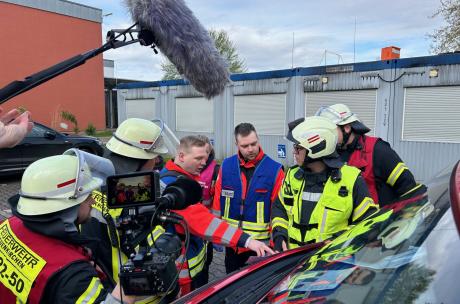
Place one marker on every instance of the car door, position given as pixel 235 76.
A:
pixel 42 142
pixel 11 160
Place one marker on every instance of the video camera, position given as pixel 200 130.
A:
pixel 151 266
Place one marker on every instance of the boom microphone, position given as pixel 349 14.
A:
pixel 181 194
pixel 186 43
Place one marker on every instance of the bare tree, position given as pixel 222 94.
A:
pixel 447 38
pixel 225 47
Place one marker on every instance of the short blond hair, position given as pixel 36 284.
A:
pixel 190 141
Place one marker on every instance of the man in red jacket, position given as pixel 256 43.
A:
pixel 386 175
pixel 189 161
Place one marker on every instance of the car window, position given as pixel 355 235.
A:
pixel 37 131
pixel 384 259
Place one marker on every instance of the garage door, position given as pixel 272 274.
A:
pixel 140 108
pixel 195 114
pixel 432 114
pixel 361 102
pixel 266 112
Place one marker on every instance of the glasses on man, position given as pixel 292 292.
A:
pixel 297 148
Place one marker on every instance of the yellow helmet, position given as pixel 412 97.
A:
pixel 341 115
pixel 55 183
pixel 316 134
pixel 138 138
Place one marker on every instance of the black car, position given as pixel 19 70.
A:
pixel 43 142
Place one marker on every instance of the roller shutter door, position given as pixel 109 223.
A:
pixel 432 114
pixel 140 108
pixel 266 112
pixel 194 114
pixel 361 102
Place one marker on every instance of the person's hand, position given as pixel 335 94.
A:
pixel 13 127
pixel 117 293
pixel 260 248
pixel 280 244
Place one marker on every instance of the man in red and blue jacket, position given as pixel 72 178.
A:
pixel 246 187
pixel 189 161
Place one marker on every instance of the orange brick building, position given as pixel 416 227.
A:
pixel 35 35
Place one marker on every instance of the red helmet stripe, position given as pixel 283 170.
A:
pixel 313 139
pixel 67 183
pixel 145 142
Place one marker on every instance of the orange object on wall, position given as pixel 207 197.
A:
pixel 390 52
pixel 33 40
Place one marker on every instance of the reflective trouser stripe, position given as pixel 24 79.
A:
pixel 363 207
pixel 196 264
pixel 91 293
pixel 394 175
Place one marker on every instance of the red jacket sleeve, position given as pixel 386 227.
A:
pixel 207 226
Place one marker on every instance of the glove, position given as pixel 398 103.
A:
pixel 279 243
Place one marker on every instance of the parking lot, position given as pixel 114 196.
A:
pixel 10 185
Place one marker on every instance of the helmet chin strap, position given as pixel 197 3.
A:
pixel 345 138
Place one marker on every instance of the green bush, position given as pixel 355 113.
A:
pixel 90 129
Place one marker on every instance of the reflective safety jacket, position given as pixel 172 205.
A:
pixel 251 213
pixel 332 213
pixel 29 260
pixel 203 226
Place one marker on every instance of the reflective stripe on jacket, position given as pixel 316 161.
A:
pixel 252 213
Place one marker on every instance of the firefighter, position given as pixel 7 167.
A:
pixel 53 264
pixel 135 146
pixel 386 175
pixel 189 161
pixel 247 184
pixel 320 196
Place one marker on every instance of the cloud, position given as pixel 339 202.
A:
pixel 262 31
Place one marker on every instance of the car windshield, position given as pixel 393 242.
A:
pixel 395 256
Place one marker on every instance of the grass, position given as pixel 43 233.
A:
pixel 104 133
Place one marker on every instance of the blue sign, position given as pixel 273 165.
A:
pixel 281 151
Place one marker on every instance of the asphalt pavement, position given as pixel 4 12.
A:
pixel 10 186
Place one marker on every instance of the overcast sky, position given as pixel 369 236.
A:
pixel 262 31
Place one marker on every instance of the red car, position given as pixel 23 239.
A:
pixel 407 252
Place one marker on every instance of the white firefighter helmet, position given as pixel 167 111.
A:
pixel 55 183
pixel 341 115
pixel 138 138
pixel 316 134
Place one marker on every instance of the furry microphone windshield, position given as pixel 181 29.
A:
pixel 186 43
